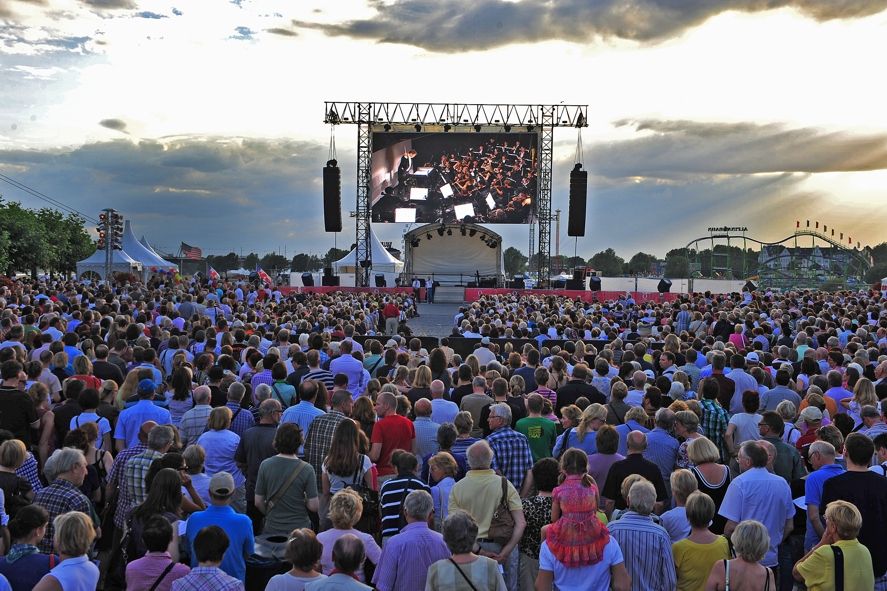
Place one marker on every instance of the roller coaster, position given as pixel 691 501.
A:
pixel 806 259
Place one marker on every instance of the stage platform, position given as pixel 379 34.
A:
pixel 289 290
pixel 472 294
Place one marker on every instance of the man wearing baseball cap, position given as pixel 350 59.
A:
pixel 131 419
pixel 239 527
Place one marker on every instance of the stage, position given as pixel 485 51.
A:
pixel 472 294
pixel 395 291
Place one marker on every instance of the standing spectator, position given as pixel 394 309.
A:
pixel 479 493
pixel 303 551
pixel 788 462
pixel 511 451
pixel 89 404
pixel 577 388
pixel 304 413
pixel 17 412
pixel 193 423
pixel 344 466
pixel 160 439
pixel 757 494
pixel 686 427
pixel 348 556
pixel 442 410
pixel 645 545
pixel 220 445
pixel 194 457
pixel 868 492
pixel 23 564
pixel 407 556
pixel 537 512
pixel 156 569
pixel 662 448
pixel 345 510
pixel 126 434
pixel 584 435
pixel 464 570
pixel 65 469
pixel 425 428
pixel 320 435
pixel 634 463
pixel 675 521
pixel 73 536
pixel 391 432
pixel 443 470
pixel 238 527
pixel 816 570
pixel 743 382
pixel 539 431
pixel 751 542
pixel 743 426
pixel 635 420
pixel 241 418
pixel 395 490
pixel 697 553
pixel 179 396
pixel 714 418
pixel 210 547
pixel 821 456
pixel 712 478
pixel 475 403
pixel 781 392
pixel 256 446
pixel 286 488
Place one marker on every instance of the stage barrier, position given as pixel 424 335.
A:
pixel 472 294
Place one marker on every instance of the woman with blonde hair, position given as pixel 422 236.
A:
pixel 474 363
pixel 127 389
pixel 583 436
pixel 401 379
pixel 74 534
pixel 751 541
pixel 695 554
pixel 421 385
pixel 345 510
pixel 220 445
pixel 863 395
pixel 712 478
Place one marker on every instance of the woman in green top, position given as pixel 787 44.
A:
pixel 695 554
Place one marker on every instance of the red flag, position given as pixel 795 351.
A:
pixel 214 275
pixel 264 276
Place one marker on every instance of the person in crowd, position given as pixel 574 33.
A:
pixel 511 450
pixel 286 487
pixel 425 428
pixel 126 434
pixel 537 513
pixel 17 491
pixel 712 478
pixel 348 557
pixel 443 470
pixel 464 570
pixel 686 429
pixel 821 456
pixel 817 569
pixel 788 462
pixel 634 463
pixel 320 434
pixel 695 554
pixel 407 556
pixel 238 530
pixel 345 509
pixel 156 570
pixel 305 411
pixel 584 435
pixel 675 521
pixel 751 543
pixel 65 470
pixel 345 465
pixel 541 432
pixel 255 446
pixel 662 448
pixel 443 410
pixel 210 547
pixel 89 404
pixel 179 397
pixel 475 403
pixel 194 421
pixel 394 490
pixel 164 499
pixel 714 416
pixel 220 444
pixel 303 551
pixel 194 457
pixel 743 425
pixel 645 546
pixel 73 536
pixel 391 432
pixel 24 565
pixel 241 418
pixel 479 494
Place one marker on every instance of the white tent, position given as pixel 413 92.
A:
pixel 120 263
pixel 241 272
pixel 151 261
pixel 383 261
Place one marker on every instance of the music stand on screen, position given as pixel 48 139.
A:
pixel 405 215
pixel 418 194
pixel 464 210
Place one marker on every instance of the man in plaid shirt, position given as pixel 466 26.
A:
pixel 511 450
pixel 210 545
pixel 714 417
pixel 194 421
pixel 241 418
pixel 159 441
pixel 115 477
pixel 67 469
pixel 320 433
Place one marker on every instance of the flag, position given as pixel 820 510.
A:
pixel 190 252
pixel 214 275
pixel 263 275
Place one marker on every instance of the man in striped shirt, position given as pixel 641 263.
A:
pixel 315 372
pixel 645 545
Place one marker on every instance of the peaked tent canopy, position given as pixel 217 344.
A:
pixel 95 264
pixel 383 261
pixel 151 261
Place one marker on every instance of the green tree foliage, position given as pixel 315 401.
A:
pixel 607 263
pixel 640 263
pixel 67 240
pixel 29 246
pixel 226 262
pixel 304 262
pixel 274 261
pixel 879 255
pixel 333 255
pixel 515 261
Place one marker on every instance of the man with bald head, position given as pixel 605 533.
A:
pixel 426 429
pixel 442 410
pixel 194 420
pixel 391 432
pixel 634 463
pixel 635 396
pixel 348 556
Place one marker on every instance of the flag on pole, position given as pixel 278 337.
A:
pixel 263 276
pixel 214 275
pixel 190 252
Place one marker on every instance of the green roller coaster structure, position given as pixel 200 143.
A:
pixel 806 259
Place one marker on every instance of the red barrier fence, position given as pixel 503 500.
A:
pixel 473 294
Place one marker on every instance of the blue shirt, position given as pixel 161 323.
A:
pixel 757 494
pixel 303 414
pixel 813 496
pixel 130 421
pixel 443 411
pixel 647 550
pixel 623 431
pixel 351 367
pixel 240 537
pixel 220 448
pixel 588 443
pixel 407 557
pixel 744 381
pixel 662 450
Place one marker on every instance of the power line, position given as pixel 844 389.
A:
pixel 54 202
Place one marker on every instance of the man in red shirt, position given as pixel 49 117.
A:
pixel 391 432
pixel 391 313
pixel 812 419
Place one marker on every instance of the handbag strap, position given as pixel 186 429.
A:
pixel 359 466
pixel 279 397
pixel 285 487
pixel 162 576
pixel 464 576
pixel 503 502
pixel 839 568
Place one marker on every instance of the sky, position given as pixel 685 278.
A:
pixel 202 122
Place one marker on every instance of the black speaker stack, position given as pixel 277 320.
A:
pixel 332 197
pixel 578 199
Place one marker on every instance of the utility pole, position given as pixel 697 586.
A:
pixel 557 237
pixel 110 231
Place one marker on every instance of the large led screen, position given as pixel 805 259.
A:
pixel 488 178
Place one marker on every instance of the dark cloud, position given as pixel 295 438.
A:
pixel 176 11
pixel 242 34
pixel 149 14
pixel 675 149
pixel 282 32
pixel 115 124
pixel 461 25
pixel 110 4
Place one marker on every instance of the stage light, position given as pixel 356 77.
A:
pixel 477 128
pixel 440 231
pixel 418 128
pixel 492 244
pixel 462 230
pixel 446 190
pixel 387 127
pixel 464 210
pixel 449 231
pixel 405 215
pixel 448 127
pixel 507 129
pixel 418 194
pixel 531 128
pixel 428 235
pixel 472 232
pixel 414 242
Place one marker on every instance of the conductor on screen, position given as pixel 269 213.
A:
pixel 481 178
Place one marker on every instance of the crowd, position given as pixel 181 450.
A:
pixel 194 436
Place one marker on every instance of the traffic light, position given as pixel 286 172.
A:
pixel 116 230
pixel 100 243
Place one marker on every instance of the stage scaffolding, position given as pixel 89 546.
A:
pixel 457 117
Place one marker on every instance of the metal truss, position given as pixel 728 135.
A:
pixel 444 117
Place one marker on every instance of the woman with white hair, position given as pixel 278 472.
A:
pixel 751 541
pixel 465 570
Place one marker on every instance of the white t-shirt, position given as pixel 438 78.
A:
pixel 337 482
pixel 287 582
pixel 577 579
pixel 746 427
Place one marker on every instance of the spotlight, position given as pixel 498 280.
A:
pixel 448 127
pixel 428 235
pixel 440 231
pixel 477 128
pixel 472 232
pixel 414 242
pixel 507 129
pixel 449 231
pixel 462 230
pixel 531 128
pixel 492 244
pixel 418 128
pixel 387 127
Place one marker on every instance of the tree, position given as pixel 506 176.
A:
pixel 273 260
pixel 574 262
pixel 251 261
pixel 515 261
pixel 640 263
pixel 222 263
pixel 29 246
pixel 607 263
pixel 333 255
pixel 677 266
pixel 303 262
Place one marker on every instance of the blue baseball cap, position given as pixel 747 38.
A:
pixel 147 385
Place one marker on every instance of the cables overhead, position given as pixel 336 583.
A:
pixel 54 202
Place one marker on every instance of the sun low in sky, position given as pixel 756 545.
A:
pixel 203 121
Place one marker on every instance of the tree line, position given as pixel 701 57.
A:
pixel 275 262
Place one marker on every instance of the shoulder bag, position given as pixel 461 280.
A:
pixel 370 518
pixel 464 576
pixel 162 576
pixel 272 502
pixel 502 522
pixel 566 445
pixel 839 568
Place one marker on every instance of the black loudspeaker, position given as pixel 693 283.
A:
pixel 594 283
pixel 330 281
pixel 518 283
pixel 664 286
pixel 578 199
pixel 579 274
pixel 558 283
pixel 380 281
pixel 471 284
pixel 327 271
pixel 750 286
pixel 575 285
pixel 307 279
pixel 332 197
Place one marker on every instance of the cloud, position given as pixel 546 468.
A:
pixel 149 14
pixel 176 11
pixel 282 32
pixel 677 149
pixel 464 25
pixel 242 34
pixel 110 4
pixel 115 124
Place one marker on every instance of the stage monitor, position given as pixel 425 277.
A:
pixel 496 173
pixel 405 215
